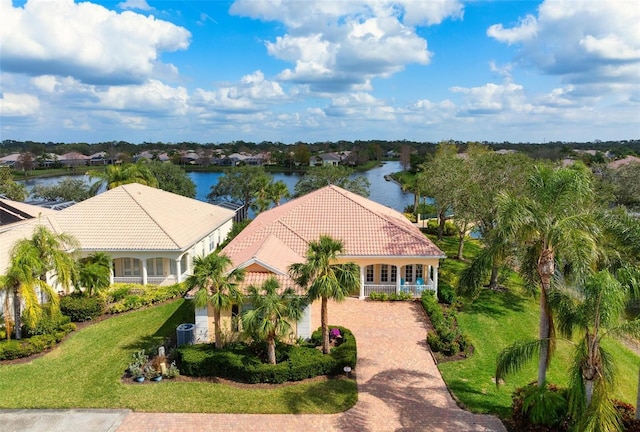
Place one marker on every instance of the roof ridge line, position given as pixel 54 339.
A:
pixel 126 189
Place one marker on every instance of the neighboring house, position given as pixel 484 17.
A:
pixel 73 159
pixel 393 255
pixel 325 159
pixel 152 235
pixel 9 160
pixel 620 162
pixel 99 158
pixel 162 157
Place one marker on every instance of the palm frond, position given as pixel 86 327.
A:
pixel 515 357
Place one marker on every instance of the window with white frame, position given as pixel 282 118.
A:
pixel 384 273
pixel 212 244
pixel 418 271
pixel 394 274
pixel 369 270
pixel 155 267
pixel 408 273
pixel 131 267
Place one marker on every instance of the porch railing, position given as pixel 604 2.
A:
pixel 414 289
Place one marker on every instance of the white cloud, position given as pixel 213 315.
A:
pixel 360 106
pixel 525 30
pixel 583 41
pixel 18 105
pixel 251 94
pixel 341 46
pixel 493 98
pixel 135 4
pixel 85 41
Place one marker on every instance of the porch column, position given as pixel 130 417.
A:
pixel 397 279
pixel 178 270
pixel 361 282
pixel 144 271
pixel 111 276
pixel 435 279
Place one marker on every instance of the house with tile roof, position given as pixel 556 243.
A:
pixel 152 235
pixel 393 255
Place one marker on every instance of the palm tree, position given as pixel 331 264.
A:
pixel 95 272
pixel 595 310
pixel 215 286
pixel 551 220
pixel 31 260
pixel 325 278
pixel 272 313
pixel 118 175
pixel 277 191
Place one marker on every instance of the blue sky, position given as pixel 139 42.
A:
pixel 307 70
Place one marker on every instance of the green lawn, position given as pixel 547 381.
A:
pixel 85 372
pixel 494 321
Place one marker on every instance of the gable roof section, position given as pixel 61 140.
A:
pixel 137 217
pixel 15 211
pixel 365 227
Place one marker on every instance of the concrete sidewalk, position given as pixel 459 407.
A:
pixel 72 420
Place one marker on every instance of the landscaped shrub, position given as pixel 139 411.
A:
pixel 446 293
pixel 125 297
pixel 242 362
pixel 81 308
pixel 402 296
pixel 432 228
pixel 540 409
pixel 13 349
pixel 447 337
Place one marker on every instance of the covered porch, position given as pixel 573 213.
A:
pixel 150 270
pixel 408 276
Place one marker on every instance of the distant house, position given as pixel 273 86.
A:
pixel 9 160
pixel 326 159
pixel 73 159
pixel 621 162
pixel 393 255
pixel 160 156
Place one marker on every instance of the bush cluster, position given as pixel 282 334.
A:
pixel 80 308
pixel 402 296
pixel 48 332
pixel 447 338
pixel 241 363
pixel 125 297
pixel 546 409
pixel 446 293
pixel 432 228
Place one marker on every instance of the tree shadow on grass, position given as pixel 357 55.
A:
pixel 167 331
pixel 327 394
pixel 497 303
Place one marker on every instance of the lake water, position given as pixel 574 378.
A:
pixel 385 192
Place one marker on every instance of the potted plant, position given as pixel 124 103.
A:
pixel 136 367
pixel 151 373
pixel 136 373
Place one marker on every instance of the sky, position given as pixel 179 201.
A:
pixel 319 70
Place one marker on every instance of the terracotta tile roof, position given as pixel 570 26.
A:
pixel 137 217
pixel 281 236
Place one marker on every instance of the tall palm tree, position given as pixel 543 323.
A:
pixel 551 220
pixel 95 272
pixel 118 175
pixel 272 313
pixel 31 260
pixel 216 286
pixel 325 278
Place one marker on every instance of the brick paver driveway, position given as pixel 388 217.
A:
pixel 400 387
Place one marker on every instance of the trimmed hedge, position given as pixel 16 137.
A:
pixel 125 297
pixel 239 361
pixel 402 296
pixel 13 349
pixel 447 339
pixel 80 308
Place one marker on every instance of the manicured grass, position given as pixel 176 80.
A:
pixel 85 372
pixel 494 321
